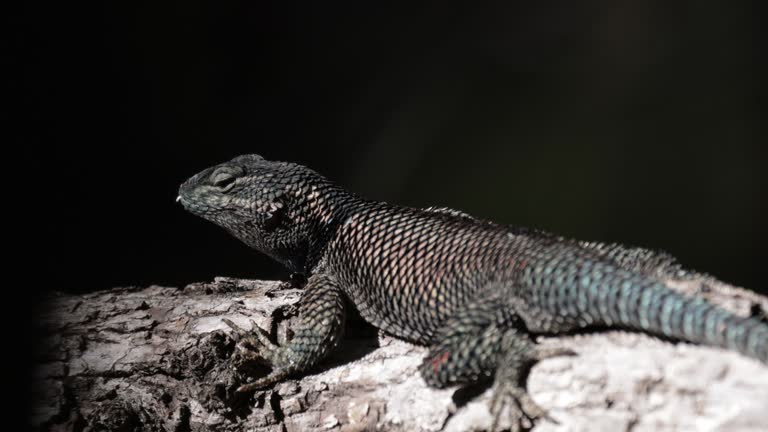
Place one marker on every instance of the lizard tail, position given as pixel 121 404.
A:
pixel 650 306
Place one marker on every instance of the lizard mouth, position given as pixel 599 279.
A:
pixel 185 203
pixel 203 201
pixel 190 203
pixel 182 199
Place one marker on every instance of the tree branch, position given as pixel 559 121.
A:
pixel 160 358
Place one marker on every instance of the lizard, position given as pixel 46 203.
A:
pixel 475 292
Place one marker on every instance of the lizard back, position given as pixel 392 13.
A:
pixel 412 268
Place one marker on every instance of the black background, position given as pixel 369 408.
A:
pixel 626 121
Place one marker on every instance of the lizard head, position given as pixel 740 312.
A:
pixel 278 208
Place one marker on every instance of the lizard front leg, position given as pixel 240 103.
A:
pixel 321 325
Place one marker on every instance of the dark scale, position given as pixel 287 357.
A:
pixel 475 292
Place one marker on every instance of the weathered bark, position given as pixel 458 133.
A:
pixel 161 358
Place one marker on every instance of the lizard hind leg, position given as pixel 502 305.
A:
pixel 484 341
pixel 465 350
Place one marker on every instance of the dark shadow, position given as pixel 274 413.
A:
pixel 360 339
pixel 465 394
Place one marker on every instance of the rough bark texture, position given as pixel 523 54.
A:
pixel 160 358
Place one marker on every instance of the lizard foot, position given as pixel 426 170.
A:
pixel 255 346
pixel 321 324
pixel 523 410
pixel 510 393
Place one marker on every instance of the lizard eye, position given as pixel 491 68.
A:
pixel 224 178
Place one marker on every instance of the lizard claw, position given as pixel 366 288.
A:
pixel 256 336
pixel 239 331
pixel 261 383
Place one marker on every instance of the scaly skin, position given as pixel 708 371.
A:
pixel 474 291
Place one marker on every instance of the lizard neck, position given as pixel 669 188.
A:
pixel 342 207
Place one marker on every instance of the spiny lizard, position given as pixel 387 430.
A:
pixel 476 292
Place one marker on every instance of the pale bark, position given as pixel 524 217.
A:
pixel 160 358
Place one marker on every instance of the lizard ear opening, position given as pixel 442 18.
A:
pixel 275 217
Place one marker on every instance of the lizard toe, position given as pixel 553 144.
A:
pixel 522 410
pixel 274 377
